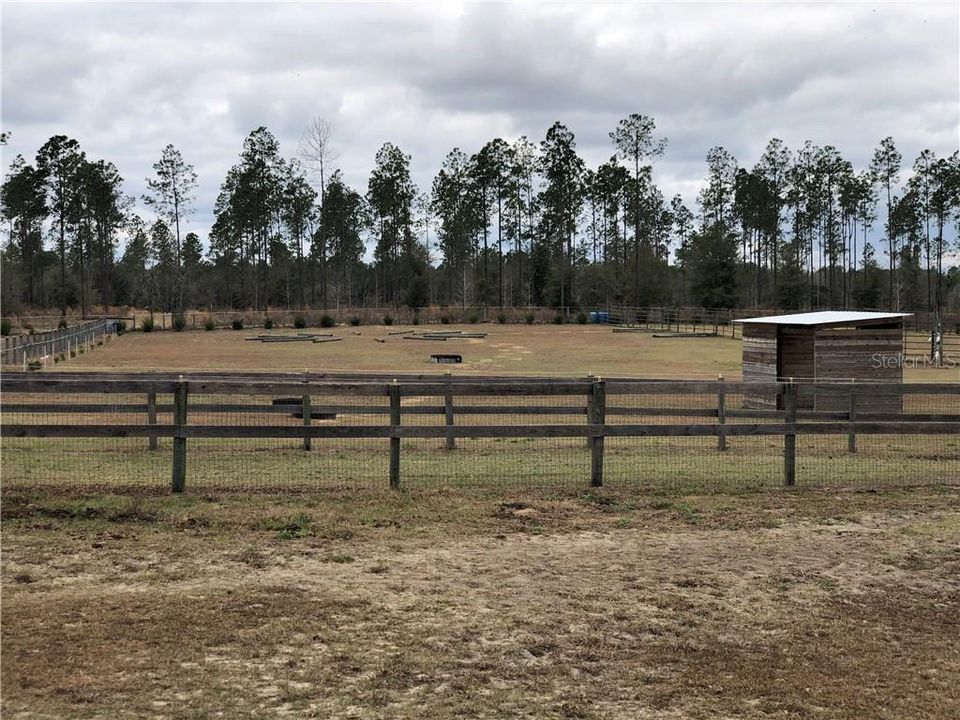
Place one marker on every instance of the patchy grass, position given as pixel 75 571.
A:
pixel 482 603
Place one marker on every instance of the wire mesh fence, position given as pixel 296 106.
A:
pixel 288 436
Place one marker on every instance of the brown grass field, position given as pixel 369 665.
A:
pixel 660 596
pixel 507 350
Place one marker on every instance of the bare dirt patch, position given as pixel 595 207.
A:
pixel 586 604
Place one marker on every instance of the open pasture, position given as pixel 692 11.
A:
pixel 507 349
pixel 494 582
pixel 551 350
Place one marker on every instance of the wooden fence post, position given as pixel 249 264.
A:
pixel 179 442
pixel 394 390
pixel 721 412
pixel 449 417
pixel 307 413
pixel 597 416
pixel 152 417
pixel 852 417
pixel 790 437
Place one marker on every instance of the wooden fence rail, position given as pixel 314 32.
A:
pixel 306 398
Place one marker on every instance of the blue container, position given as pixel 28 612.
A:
pixel 592 317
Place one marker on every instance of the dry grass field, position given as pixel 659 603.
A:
pixel 454 604
pixel 294 584
pixel 507 350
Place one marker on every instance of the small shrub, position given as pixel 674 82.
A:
pixel 209 325
pixel 582 318
pixel 530 317
pixel 416 318
pixel 473 318
pixel 558 319
pixel 267 324
pixel 179 322
pixel 327 321
pixel 237 324
pixel 121 327
pixel 62 325
pixel 5 327
pixel 29 329
pixel 388 319
pixel 299 322
pixel 445 319
pixel 34 365
pixel 73 353
pixel 501 317
pixel 99 343
pixel 355 321
pixel 289 528
pixel 147 324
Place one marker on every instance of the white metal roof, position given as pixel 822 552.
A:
pixel 823 317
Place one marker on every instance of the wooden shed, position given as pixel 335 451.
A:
pixel 825 346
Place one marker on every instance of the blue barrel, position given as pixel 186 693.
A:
pixel 592 317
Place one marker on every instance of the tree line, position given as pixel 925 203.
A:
pixel 511 224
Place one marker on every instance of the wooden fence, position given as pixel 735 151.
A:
pixel 593 399
pixel 21 350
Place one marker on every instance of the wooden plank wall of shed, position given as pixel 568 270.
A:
pixel 760 363
pixel 796 351
pixel 869 354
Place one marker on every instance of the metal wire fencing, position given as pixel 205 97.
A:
pixel 276 435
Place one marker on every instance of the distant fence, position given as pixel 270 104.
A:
pixel 45 347
pixel 636 428
pixel 720 321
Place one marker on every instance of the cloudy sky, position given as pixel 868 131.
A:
pixel 126 79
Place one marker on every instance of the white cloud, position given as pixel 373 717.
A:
pixel 127 79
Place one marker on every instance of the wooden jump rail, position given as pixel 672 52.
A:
pixel 788 422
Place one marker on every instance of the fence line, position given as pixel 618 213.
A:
pixel 22 350
pixel 597 403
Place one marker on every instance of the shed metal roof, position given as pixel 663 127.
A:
pixel 824 317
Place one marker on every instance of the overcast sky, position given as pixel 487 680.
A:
pixel 126 79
